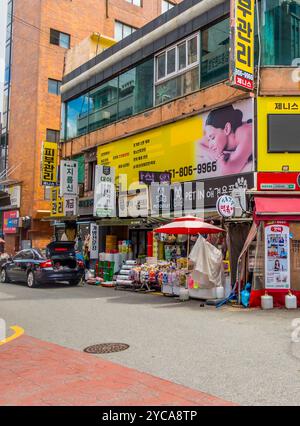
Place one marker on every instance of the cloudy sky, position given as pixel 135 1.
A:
pixel 3 4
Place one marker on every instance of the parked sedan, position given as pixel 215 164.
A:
pixel 32 267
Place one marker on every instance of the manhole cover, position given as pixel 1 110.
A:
pixel 106 348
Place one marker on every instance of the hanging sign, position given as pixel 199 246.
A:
pixel 70 205
pixel 104 193
pixel 226 206
pixel 277 255
pixel 94 241
pixel 57 203
pixel 68 178
pixel 49 163
pixel 242 44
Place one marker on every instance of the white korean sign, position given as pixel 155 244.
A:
pixel 105 194
pixel 70 205
pixel 68 178
pixel 15 195
pixel 225 206
pixel 134 203
pixel 277 256
pixel 94 241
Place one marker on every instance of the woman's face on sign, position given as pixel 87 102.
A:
pixel 217 138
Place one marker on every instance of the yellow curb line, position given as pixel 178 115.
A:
pixel 18 331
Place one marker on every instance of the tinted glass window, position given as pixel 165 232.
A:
pixel 19 256
pixel 27 254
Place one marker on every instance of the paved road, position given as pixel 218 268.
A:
pixel 243 356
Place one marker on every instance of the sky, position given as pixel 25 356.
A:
pixel 3 6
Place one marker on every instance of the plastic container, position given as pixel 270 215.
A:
pixel 290 301
pixel 267 302
pixel 220 292
pixel 184 294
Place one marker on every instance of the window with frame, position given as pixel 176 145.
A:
pixel 52 135
pixel 122 30
pixel 60 39
pixel 54 86
pixel 165 6
pixel 177 70
pixel 135 2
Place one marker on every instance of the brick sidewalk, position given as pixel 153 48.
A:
pixel 34 372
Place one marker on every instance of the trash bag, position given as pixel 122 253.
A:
pixel 245 295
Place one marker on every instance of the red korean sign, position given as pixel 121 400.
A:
pixel 278 181
pixel 8 227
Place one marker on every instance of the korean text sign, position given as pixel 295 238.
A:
pixel 49 163
pixel 268 161
pixel 68 178
pixel 242 44
pixel 104 193
pixel 57 203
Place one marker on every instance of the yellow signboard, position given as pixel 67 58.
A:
pixel 216 143
pixel 267 108
pixel 57 203
pixel 49 163
pixel 242 44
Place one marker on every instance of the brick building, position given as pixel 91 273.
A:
pixel 38 35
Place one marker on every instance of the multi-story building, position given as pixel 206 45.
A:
pixel 162 100
pixel 38 35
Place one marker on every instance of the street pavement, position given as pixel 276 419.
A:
pixel 242 356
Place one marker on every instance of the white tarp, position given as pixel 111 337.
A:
pixel 208 268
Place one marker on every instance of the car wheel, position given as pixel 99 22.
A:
pixel 3 276
pixel 74 283
pixel 31 281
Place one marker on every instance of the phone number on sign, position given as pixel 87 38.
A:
pixel 189 170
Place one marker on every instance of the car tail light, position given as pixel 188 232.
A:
pixel 46 264
pixel 80 263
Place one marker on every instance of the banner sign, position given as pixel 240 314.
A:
pixel 10 223
pixel 134 203
pixel 70 205
pixel 68 178
pixel 94 253
pixel 242 44
pixel 104 193
pixel 226 206
pixel 57 203
pixel 277 255
pixel 49 163
pixel 216 143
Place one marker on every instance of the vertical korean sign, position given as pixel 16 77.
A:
pixel 49 163
pixel 242 44
pixel 105 194
pixel 57 203
pixel 277 256
pixel 94 241
pixel 68 178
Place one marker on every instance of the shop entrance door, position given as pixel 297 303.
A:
pixel 139 242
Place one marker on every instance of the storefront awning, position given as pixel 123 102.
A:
pixel 284 207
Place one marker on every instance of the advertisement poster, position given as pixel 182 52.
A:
pixel 242 44
pixel 216 143
pixel 9 223
pixel 104 194
pixel 49 163
pixel 277 256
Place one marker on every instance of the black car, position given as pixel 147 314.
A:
pixel 31 266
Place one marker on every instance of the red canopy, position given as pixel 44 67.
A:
pixel 189 225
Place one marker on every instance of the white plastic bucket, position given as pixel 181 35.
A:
pixel 290 301
pixel 267 302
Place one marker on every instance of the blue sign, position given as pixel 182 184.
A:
pixel 13 222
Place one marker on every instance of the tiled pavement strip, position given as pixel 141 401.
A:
pixel 34 372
